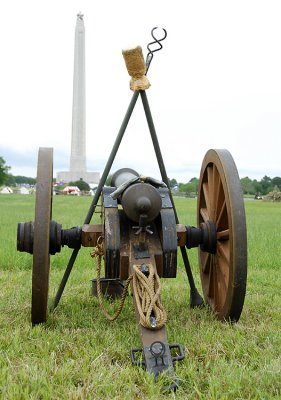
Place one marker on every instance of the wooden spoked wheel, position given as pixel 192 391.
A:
pixel 41 257
pixel 224 273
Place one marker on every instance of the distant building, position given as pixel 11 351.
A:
pixel 78 167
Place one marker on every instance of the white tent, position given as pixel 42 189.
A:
pixel 6 190
pixel 23 190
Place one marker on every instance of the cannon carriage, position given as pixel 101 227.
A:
pixel 138 239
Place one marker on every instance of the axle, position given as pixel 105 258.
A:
pixel 87 236
pixel 58 237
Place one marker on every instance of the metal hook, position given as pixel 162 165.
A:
pixel 156 41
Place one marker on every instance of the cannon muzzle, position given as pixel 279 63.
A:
pixel 141 201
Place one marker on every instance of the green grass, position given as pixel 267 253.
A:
pixel 78 354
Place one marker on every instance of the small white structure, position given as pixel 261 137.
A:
pixel 6 190
pixel 23 190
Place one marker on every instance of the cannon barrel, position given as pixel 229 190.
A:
pixel 141 201
pixel 122 176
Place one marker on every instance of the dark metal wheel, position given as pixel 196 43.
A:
pixel 41 257
pixel 223 274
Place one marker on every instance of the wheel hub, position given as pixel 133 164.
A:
pixel 58 237
pixel 205 236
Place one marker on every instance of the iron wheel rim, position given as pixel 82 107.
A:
pixel 41 257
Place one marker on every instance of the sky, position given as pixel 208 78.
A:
pixel 215 84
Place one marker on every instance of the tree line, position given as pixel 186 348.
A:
pixel 249 186
pixel 11 180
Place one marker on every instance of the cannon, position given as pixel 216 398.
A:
pixel 138 239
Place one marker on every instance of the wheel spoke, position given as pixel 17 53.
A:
pixel 216 294
pixel 210 179
pixel 224 260
pixel 223 273
pixel 216 193
pixel 223 235
pixel 204 214
pixel 206 261
pixel 222 221
pixel 222 283
pixel 206 195
pixel 223 251
pixel 219 198
pixel 211 279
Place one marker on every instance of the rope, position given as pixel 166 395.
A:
pixel 136 68
pixel 147 295
pixel 146 291
pixel 98 253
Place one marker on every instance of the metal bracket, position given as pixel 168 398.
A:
pixel 108 201
pixel 141 251
pixel 157 357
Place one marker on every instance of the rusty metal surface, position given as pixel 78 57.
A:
pixel 41 258
pixel 130 243
pixel 166 225
pixel 25 233
pixel 223 274
pixel 111 235
pixel 111 242
pixel 124 245
pixel 110 288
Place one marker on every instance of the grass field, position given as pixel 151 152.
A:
pixel 80 355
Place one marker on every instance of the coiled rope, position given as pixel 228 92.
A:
pixel 146 288
pixel 147 294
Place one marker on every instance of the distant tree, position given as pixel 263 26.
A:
pixel 24 180
pixel 189 188
pixel 266 185
pixel 194 183
pixel 248 186
pixel 183 187
pixel 82 185
pixel 257 186
pixel 10 181
pixel 172 182
pixel 276 182
pixel 3 171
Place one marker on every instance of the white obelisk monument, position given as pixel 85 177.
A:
pixel 78 139
pixel 78 167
